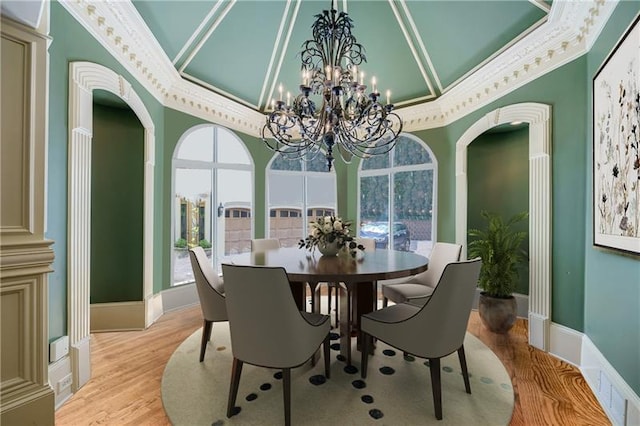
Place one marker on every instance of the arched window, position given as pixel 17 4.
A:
pixel 298 191
pixel 213 197
pixel 397 197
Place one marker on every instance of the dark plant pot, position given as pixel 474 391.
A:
pixel 497 314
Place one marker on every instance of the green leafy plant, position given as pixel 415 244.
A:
pixel 499 248
pixel 205 244
pixel 180 243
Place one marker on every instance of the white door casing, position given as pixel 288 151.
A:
pixel 538 116
pixel 84 78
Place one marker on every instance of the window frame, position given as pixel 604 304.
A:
pixel 212 166
pixel 389 172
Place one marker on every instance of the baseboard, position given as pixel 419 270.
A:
pixel 119 316
pixel 59 374
pixel 179 297
pixel 618 400
pixel 565 343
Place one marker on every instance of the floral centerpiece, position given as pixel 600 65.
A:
pixel 330 234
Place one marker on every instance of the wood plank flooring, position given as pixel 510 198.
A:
pixel 127 370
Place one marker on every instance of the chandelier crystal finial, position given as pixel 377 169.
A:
pixel 349 120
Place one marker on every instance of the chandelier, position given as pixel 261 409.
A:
pixel 348 121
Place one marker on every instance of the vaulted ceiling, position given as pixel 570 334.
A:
pixel 223 60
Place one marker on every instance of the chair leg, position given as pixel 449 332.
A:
pixel 206 335
pixel 436 386
pixel 286 389
pixel 364 360
pixel 385 302
pixel 326 348
pixel 463 365
pixel 236 370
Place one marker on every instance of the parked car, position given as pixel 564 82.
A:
pixel 379 231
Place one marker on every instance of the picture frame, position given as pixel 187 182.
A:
pixel 616 146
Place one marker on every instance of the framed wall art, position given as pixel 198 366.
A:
pixel 616 146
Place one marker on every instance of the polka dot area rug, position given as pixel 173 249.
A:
pixel 397 390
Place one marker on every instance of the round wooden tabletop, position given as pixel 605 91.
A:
pixel 302 265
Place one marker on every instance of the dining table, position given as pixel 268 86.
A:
pixel 357 276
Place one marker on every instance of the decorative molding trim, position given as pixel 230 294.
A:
pixel 84 77
pixel 538 116
pixel 119 28
pixel 568 33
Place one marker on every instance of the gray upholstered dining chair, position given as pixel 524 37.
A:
pixel 267 329
pixel 210 292
pixel 433 330
pixel 421 285
pixel 264 244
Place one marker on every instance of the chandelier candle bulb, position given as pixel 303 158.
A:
pixel 388 97
pixel 373 84
pixel 280 90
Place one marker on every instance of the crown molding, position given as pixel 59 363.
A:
pixel 571 28
pixel 569 32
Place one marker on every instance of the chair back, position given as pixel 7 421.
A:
pixel 264 244
pixel 441 255
pixel 442 322
pixel 210 288
pixel 266 327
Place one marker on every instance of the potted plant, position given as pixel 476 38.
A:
pixel 499 247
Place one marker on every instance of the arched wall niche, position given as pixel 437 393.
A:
pixel 84 78
pixel 538 116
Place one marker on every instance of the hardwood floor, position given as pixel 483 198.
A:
pixel 127 370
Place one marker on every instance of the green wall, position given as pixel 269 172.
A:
pixel 564 91
pixel 117 194
pixel 498 181
pixel 70 42
pixel 612 280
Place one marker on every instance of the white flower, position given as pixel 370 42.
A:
pixel 338 225
pixel 327 227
